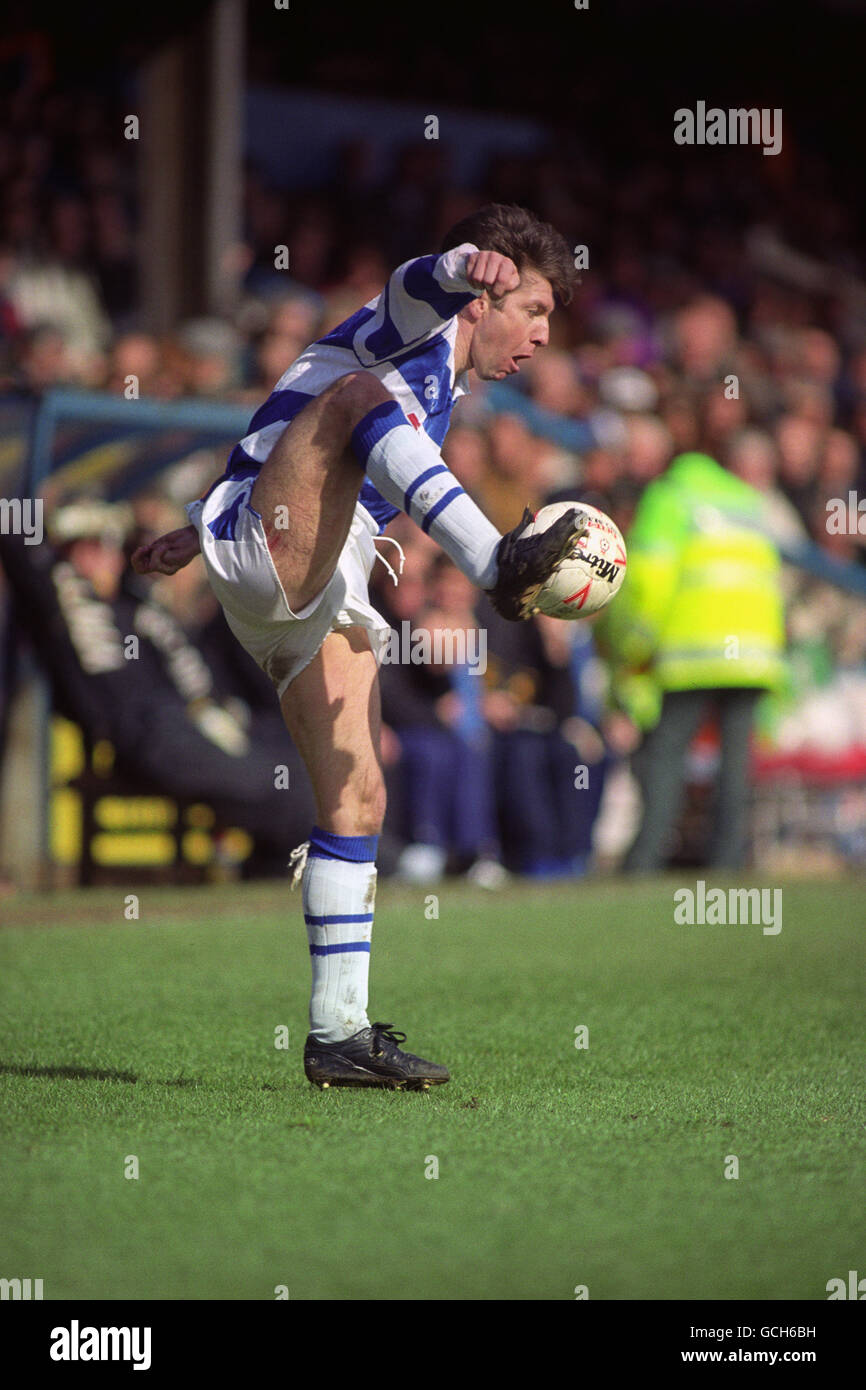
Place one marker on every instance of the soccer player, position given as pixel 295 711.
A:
pixel 349 436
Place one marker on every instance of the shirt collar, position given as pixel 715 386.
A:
pixel 461 385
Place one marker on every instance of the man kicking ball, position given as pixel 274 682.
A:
pixel 350 436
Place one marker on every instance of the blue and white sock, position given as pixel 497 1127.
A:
pixel 339 894
pixel 406 467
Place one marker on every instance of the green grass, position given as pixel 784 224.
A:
pixel 557 1166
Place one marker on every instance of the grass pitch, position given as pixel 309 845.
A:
pixel 601 1166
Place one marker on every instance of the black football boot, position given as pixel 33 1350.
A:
pixel 527 562
pixel 370 1058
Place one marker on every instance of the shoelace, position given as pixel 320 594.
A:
pixel 298 858
pixel 382 557
pixel 386 1030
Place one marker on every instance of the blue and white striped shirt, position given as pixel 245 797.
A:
pixel 405 337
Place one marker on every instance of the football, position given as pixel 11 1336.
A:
pixel 591 574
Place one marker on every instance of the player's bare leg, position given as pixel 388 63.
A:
pixel 311 471
pixel 332 711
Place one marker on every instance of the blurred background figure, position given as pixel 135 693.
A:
pixel 698 628
pixel 532 704
pixel 433 710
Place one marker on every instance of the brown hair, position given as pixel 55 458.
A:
pixel 517 233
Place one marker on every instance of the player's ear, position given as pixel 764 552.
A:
pixel 476 309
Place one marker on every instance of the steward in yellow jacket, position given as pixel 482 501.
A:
pixel 697 626
pixel 701 606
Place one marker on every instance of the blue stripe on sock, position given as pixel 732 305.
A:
pixel 330 921
pixel 337 950
pixel 422 478
pixel 440 506
pixel 376 423
pixel 359 849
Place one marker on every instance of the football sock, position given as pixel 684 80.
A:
pixel 339 892
pixel 407 468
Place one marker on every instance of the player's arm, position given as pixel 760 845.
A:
pixel 168 553
pixel 174 550
pixel 425 293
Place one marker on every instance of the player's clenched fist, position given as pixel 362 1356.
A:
pixel 168 554
pixel 488 270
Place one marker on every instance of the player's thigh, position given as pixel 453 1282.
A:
pixel 333 713
pixel 306 489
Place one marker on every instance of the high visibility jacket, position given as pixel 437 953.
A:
pixel 701 604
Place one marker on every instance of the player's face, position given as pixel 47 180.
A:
pixel 511 334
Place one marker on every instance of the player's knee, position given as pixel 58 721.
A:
pixel 354 395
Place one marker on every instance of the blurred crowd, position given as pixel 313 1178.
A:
pixel 720 310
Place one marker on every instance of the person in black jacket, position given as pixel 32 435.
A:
pixel 123 669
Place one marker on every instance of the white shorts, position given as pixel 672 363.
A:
pixel 241 573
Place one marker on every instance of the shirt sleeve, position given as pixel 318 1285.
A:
pixel 419 298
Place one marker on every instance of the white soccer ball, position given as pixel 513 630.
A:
pixel 591 574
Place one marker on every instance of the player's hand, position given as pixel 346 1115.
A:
pixel 488 270
pixel 168 554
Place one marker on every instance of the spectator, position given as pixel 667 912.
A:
pixel 512 481
pixel 545 818
pixel 799 443
pixel 700 620
pixel 447 791
pixel 752 456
